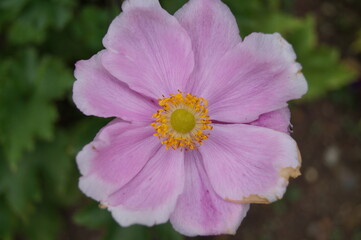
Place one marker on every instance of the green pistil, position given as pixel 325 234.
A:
pixel 182 121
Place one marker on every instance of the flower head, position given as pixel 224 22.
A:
pixel 181 121
pixel 201 117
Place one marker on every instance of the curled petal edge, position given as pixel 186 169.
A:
pixel 285 173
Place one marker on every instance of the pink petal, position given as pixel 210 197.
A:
pixel 151 196
pixel 260 75
pixel 98 93
pixel 199 210
pixel 148 49
pixel 213 30
pixel 278 120
pixel 249 164
pixel 117 154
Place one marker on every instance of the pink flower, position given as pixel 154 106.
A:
pixel 201 128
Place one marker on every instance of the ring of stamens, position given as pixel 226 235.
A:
pixel 178 109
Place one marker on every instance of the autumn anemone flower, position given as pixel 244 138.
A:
pixel 201 117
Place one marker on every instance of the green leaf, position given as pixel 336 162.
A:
pixel 61 13
pixel 34 20
pixel 21 189
pixel 92 216
pixel 356 45
pixel 84 131
pixel 324 71
pixel 133 232
pixel 91 26
pixel 303 36
pixel 24 123
pixel 45 224
pixel 293 193
pixel 31 25
pixel 27 88
pixel 10 9
pixel 172 6
pixel 56 169
pixel 166 232
pixel 7 221
pixel 83 37
pixel 44 179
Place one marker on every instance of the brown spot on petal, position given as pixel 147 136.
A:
pixel 102 206
pixel 253 198
pixel 284 172
pixel 288 172
pixel 94 148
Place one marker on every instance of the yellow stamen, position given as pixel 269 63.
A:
pixel 182 122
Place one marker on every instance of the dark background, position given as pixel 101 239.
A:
pixel 41 130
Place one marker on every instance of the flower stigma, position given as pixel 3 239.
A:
pixel 182 122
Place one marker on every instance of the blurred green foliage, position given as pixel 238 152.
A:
pixel 356 46
pixel 41 131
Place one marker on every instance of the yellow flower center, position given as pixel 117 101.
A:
pixel 182 122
